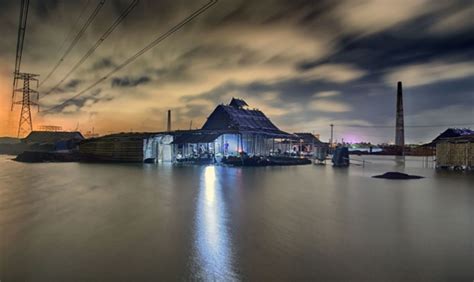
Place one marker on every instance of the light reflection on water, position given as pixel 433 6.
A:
pixel 212 239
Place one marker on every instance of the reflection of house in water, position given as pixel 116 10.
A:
pixel 230 130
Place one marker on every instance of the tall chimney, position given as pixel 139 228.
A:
pixel 400 128
pixel 168 128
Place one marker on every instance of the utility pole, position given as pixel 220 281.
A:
pixel 168 128
pixel 191 125
pixel 25 125
pixel 332 135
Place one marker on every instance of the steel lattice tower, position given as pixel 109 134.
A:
pixel 26 125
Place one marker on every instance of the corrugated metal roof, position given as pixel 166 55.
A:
pixel 227 117
pixel 459 139
pixel 453 132
pixel 308 137
pixel 52 136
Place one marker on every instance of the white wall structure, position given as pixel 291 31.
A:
pixel 158 148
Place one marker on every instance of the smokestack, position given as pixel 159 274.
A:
pixel 168 128
pixel 400 127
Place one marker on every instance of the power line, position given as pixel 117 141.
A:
pixel 73 27
pixel 392 126
pixel 413 126
pixel 96 45
pixel 76 39
pixel 19 44
pixel 141 52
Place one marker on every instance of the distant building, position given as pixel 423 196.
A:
pixel 120 147
pixel 53 140
pixel 455 152
pixel 52 137
pixel 452 132
pixel 308 142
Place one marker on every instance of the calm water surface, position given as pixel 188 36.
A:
pixel 104 222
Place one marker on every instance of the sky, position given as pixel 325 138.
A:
pixel 305 64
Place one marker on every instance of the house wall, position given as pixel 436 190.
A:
pixel 158 148
pixel 252 144
pixel 121 149
pixel 230 145
pixel 455 154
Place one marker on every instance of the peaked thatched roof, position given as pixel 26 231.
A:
pixel 235 117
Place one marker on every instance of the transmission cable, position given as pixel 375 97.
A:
pixel 76 39
pixel 139 53
pixel 73 27
pixel 406 126
pixel 96 45
pixel 19 43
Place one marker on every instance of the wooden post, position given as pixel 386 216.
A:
pixel 222 145
pixel 273 146
pixel 291 147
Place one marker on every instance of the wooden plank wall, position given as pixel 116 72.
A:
pixel 113 149
pixel 455 154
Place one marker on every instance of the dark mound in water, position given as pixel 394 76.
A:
pixel 39 157
pixel 397 175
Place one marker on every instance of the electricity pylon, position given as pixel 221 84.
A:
pixel 25 125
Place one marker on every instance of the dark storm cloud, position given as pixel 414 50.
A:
pixel 275 53
pixel 75 105
pixel 129 81
pixel 103 63
pixel 176 72
pixel 43 8
pixel 72 84
pixel 399 50
pixel 68 87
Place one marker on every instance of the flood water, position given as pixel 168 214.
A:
pixel 118 222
